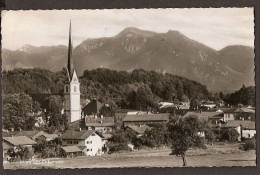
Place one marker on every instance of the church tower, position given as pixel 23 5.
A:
pixel 72 88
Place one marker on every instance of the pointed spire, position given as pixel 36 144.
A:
pixel 70 59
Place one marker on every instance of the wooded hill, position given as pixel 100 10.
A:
pixel 118 88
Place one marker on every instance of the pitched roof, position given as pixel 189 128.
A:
pixel 237 110
pixel 147 117
pixel 92 108
pixel 19 140
pixel 105 121
pixel 139 129
pixel 29 134
pixel 80 135
pixel 246 124
pixel 203 115
pixel 71 149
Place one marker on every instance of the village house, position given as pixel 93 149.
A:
pixel 19 141
pixel 92 109
pixel 183 105
pixel 100 124
pixel 209 104
pixel 35 135
pixel 246 129
pixel 87 140
pixel 139 129
pixel 145 119
pixel 239 114
pixel 211 117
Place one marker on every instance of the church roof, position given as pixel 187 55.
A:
pixel 71 61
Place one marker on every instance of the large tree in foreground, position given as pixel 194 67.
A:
pixel 184 135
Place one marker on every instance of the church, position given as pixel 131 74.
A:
pixel 72 107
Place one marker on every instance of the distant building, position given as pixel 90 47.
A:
pixel 139 129
pixel 206 116
pixel 166 104
pixel 87 140
pixel 100 124
pixel 209 105
pixel 183 105
pixel 145 119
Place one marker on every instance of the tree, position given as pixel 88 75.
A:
pixel 54 118
pixel 184 135
pixel 229 134
pixel 19 111
pixel 249 144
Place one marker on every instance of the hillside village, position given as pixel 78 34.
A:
pixel 90 127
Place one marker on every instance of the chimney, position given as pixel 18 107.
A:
pixel 101 121
pixel 101 116
pixel 243 118
pixel 12 129
pixel 79 129
pixel 95 116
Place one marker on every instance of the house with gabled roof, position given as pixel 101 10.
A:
pixel 92 108
pixel 239 114
pixel 100 124
pixel 145 119
pixel 205 115
pixel 139 129
pixel 245 128
pixel 19 141
pixel 35 135
pixel 87 140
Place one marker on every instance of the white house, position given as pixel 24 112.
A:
pixel 245 128
pixel 87 140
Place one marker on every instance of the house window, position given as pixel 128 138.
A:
pixel 93 134
pixel 69 142
pixel 89 142
pixel 248 135
pixel 91 149
pixel 87 149
pixel 67 88
pixel 75 142
pixel 75 88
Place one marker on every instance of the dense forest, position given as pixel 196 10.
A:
pixel 244 96
pixel 135 90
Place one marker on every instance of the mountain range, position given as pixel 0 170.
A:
pixel 172 52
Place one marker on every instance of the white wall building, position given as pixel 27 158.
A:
pixel 89 141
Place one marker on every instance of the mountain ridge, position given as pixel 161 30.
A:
pixel 132 48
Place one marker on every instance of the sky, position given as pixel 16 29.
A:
pixel 214 27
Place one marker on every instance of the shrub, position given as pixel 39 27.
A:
pixel 229 135
pixel 249 145
pixel 20 153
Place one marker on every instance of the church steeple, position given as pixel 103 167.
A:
pixel 71 63
pixel 72 105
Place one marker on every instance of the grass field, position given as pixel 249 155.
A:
pixel 217 155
